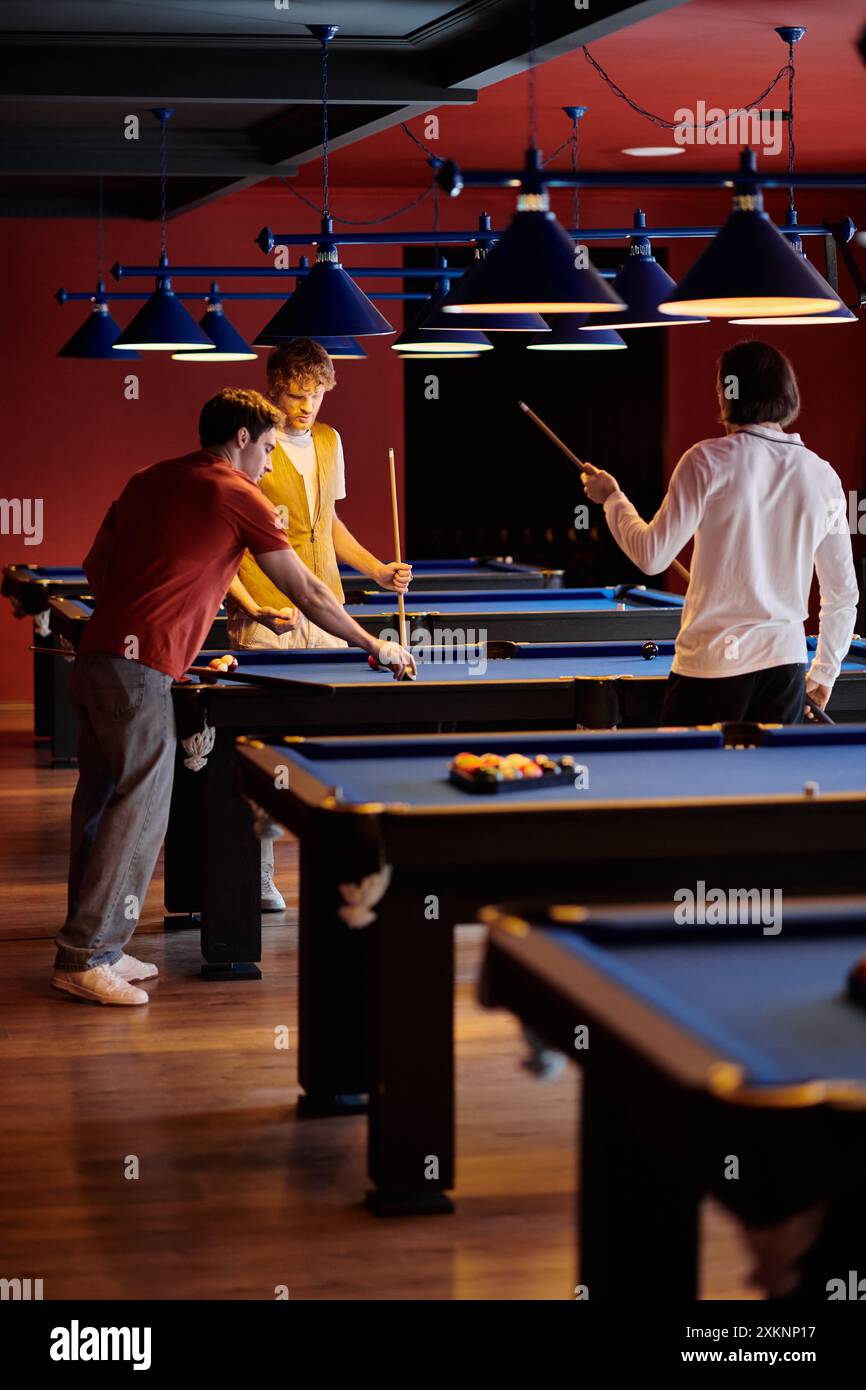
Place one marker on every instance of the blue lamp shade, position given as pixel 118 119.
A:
pixel 841 314
pixel 328 303
pixel 438 317
pixel 344 349
pixel 162 324
pixel 750 269
pixel 227 343
pixel 96 337
pixel 568 336
pixel 531 270
pixel 643 284
pixel 417 336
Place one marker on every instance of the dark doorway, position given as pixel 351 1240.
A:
pixel 482 480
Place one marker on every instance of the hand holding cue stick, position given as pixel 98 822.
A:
pixel 395 516
pixel 585 467
pixel 818 714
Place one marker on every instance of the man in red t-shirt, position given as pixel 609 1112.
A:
pixel 159 568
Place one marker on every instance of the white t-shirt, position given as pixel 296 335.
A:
pixel 764 511
pixel 299 448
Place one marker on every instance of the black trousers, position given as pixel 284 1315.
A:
pixel 776 695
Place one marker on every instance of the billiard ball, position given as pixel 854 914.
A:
pixel 649 650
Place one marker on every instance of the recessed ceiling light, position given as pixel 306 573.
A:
pixel 654 151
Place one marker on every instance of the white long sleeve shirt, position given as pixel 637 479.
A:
pixel 764 511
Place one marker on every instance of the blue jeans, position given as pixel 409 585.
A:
pixel 126 750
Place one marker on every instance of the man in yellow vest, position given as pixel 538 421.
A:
pixel 306 481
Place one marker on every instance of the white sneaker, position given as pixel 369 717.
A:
pixel 272 898
pixel 100 984
pixel 128 968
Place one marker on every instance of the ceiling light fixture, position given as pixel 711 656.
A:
pixel 162 324
pixel 643 284
pixel 327 301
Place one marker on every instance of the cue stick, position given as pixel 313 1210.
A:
pixel 555 439
pixel 818 713
pixel 395 516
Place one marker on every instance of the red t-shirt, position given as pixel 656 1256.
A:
pixel 177 535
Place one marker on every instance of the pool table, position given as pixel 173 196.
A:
pixel 29 587
pixel 327 691
pixel 605 614
pixel 438 576
pixel 505 685
pixel 702 1042
pixel 68 618
pixel 620 688
pixel 386 839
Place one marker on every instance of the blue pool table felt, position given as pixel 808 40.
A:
pixel 428 568
pixel 59 573
pixel 539 661
pixel 775 1004
pixel 603 600
pixel 622 766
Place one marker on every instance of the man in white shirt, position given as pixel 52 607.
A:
pixel 764 512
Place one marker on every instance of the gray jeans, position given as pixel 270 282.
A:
pixel 126 750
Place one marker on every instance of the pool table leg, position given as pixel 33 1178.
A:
pixel 64 721
pixel 231 926
pixel 637 1212
pixel 332 1003
pixel 411 1050
pixel 182 852
pixel 43 676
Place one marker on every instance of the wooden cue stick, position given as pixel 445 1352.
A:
pixel 555 439
pixel 401 603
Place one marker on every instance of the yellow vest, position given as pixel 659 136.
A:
pixel 312 539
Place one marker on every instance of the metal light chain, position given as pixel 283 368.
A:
pixel 163 181
pixel 791 73
pixel 326 211
pixel 574 164
pixel 100 231
pixel 533 95
pixel 673 125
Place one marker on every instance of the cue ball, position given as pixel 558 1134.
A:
pixel 649 650
pixel 811 789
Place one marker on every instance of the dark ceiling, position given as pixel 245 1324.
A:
pixel 244 78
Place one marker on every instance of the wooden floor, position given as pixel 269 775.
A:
pixel 235 1195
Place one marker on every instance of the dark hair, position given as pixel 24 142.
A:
pixel 301 360
pixel 231 410
pixel 765 385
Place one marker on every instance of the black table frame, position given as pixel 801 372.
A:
pixel 50 674
pixel 526 576
pixel 394 1040
pixel 212 860
pixel 659 1115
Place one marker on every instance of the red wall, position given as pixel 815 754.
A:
pixel 72 439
